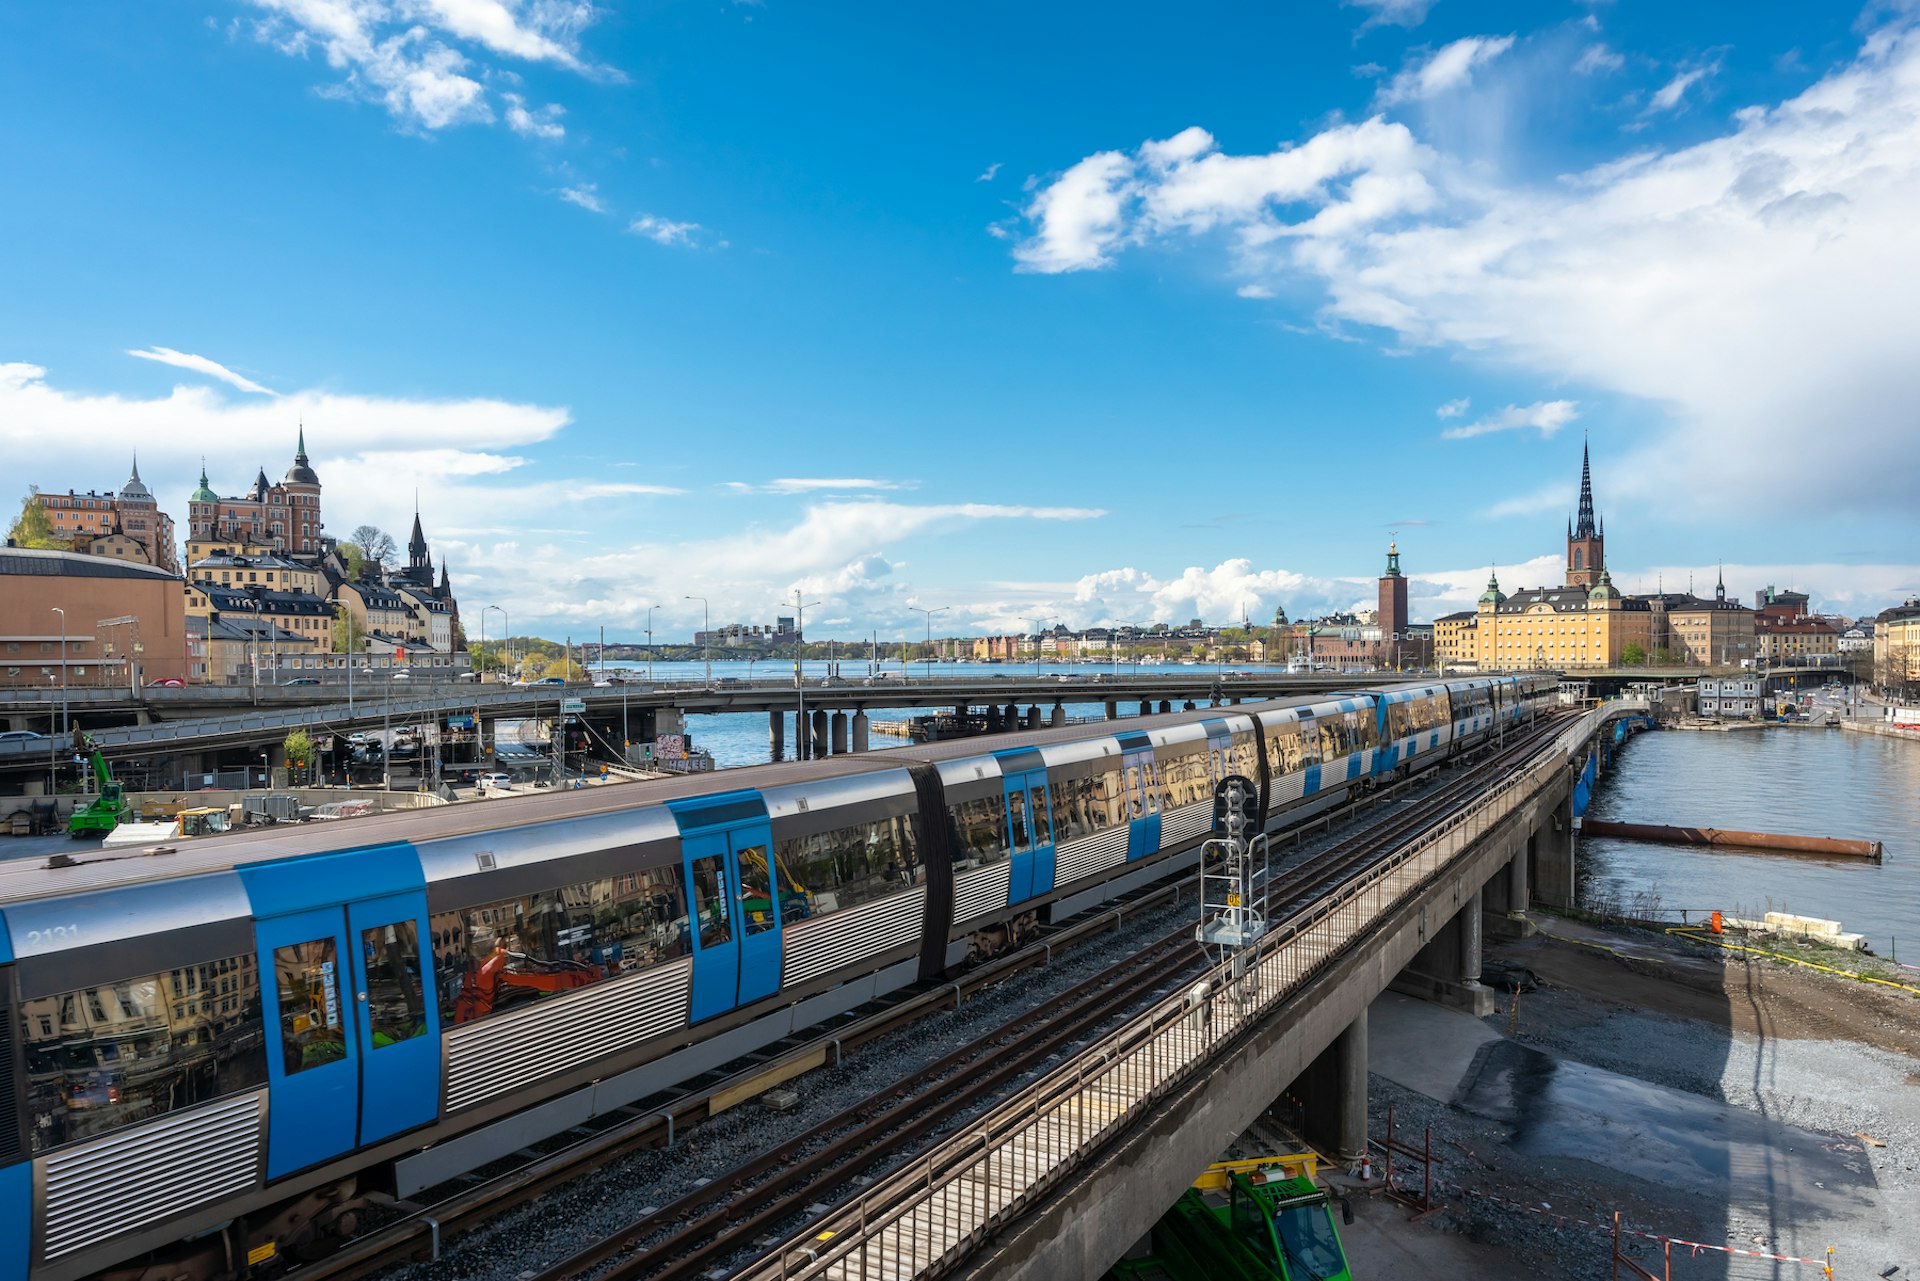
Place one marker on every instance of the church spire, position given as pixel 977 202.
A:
pixel 1583 525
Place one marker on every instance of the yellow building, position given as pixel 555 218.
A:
pixel 1896 645
pixel 1456 637
pixel 1795 640
pixel 1558 628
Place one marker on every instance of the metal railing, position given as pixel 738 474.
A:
pixel 930 1215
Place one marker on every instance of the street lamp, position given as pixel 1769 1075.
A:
pixel 506 630
pixel 66 718
pixel 801 742
pixel 928 670
pixel 1037 624
pixel 706 636
pixel 650 610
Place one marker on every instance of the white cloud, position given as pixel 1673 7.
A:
pixel 1450 68
pixel 1745 289
pixel 991 170
pixel 815 484
pixel 406 55
pixel 1668 95
pixel 200 364
pixel 1255 291
pixel 1549 416
pixel 664 231
pixel 543 122
pixel 1453 408
pixel 1597 59
pixel 586 195
pixel 1392 13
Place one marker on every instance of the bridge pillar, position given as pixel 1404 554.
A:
pixel 1188 707
pixel 993 718
pixel 1166 705
pixel 1553 856
pixel 838 733
pixel 1332 1094
pixel 1010 718
pixel 1033 717
pixel 1146 707
pixel 1113 710
pixel 819 733
pixel 776 735
pixel 1058 716
pixel 1518 895
pixel 1446 970
pixel 860 729
pixel 1469 938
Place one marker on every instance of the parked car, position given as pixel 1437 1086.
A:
pixel 165 682
pixel 402 676
pixel 468 678
pixel 495 779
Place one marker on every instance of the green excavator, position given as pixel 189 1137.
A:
pixel 104 812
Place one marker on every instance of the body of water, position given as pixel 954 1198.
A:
pixel 1799 781
pixel 741 739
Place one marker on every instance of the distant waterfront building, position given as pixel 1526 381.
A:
pixel 1896 645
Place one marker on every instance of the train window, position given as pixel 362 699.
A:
pixel 756 892
pixel 502 955
pixel 980 832
pixel 709 893
pixel 313 1029
pixel 150 1050
pixel 395 1008
pixel 1042 827
pixel 1136 808
pixel 1017 819
pixel 1084 806
pixel 831 871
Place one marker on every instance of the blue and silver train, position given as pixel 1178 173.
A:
pixel 215 1053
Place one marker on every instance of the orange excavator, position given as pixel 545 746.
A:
pixel 506 978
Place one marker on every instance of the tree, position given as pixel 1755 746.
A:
pixel 1633 654
pixel 355 562
pixel 347 635
pixel 376 546
pixel 299 749
pixel 33 528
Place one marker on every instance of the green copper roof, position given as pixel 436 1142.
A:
pixel 203 494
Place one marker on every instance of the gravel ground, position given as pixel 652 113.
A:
pixel 534 1236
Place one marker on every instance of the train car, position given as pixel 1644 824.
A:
pixel 1416 731
pixel 1472 710
pixel 1317 752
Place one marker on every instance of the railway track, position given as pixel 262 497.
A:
pixel 728 1215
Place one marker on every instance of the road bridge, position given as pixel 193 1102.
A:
pixel 1061 1179
pixel 196 721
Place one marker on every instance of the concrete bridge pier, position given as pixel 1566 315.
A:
pixel 1446 970
pixel 1010 718
pixel 819 733
pixel 1188 707
pixel 1166 705
pixel 776 735
pixel 1332 1094
pixel 1552 845
pixel 993 719
pixel 838 734
pixel 1146 707
pixel 1033 717
pixel 1113 710
pixel 860 728
pixel 1058 716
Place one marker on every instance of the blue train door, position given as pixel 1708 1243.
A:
pixel 1142 783
pixel 1030 832
pixel 353 1041
pixel 726 843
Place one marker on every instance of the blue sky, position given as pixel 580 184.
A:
pixel 1102 313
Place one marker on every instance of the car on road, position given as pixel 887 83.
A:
pixel 301 680
pixel 165 682
pixel 495 779
pixel 402 676
pixel 551 680
pixel 21 736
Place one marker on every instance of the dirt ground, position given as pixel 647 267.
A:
pixel 1816 1069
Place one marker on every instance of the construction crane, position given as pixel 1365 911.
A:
pixel 103 813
